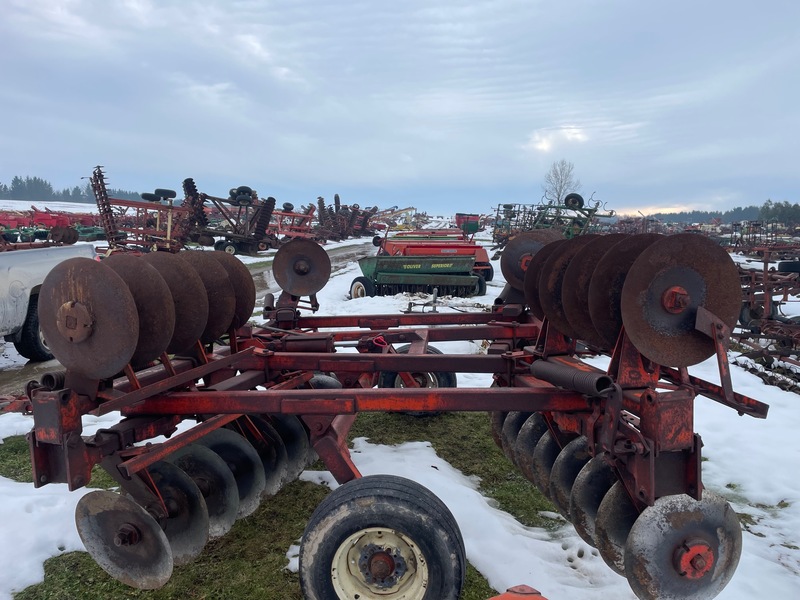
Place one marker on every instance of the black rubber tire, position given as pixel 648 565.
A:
pixel 401 507
pixel 389 379
pixel 31 343
pixel 362 287
pixel 480 286
pixel 288 207
pixel 149 197
pixel 487 272
pixel 161 192
pixel 219 245
pixel 573 201
pixel 747 315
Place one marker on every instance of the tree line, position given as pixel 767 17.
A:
pixel 781 212
pixel 36 189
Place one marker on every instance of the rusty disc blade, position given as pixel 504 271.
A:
pixel 605 287
pixel 244 463
pixel 668 538
pixel 665 287
pixel 244 289
pixel 186 524
pixel 544 455
pixel 575 288
pixel 301 267
pixel 153 304
pixel 216 482
pixel 221 299
pixel 270 447
pixel 124 539
pixel 88 317
pixel 588 490
pixel 519 250
pixel 552 278
pixel 188 298
pixel 565 469
pixel 532 275
pixel 615 517
pixel 528 437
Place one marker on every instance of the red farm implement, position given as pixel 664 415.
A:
pixel 614 449
pixel 153 224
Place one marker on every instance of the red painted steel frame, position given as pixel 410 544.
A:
pixel 642 419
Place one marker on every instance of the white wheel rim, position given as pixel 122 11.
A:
pixel 358 290
pixel 43 341
pixel 230 249
pixel 381 551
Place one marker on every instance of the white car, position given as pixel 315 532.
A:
pixel 21 275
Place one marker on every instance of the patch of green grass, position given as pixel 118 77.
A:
pixel 15 459
pixel 249 561
pixel 261 264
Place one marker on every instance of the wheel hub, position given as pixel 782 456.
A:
pixel 694 559
pixel 127 535
pixel 381 566
pixel 675 299
pixel 74 321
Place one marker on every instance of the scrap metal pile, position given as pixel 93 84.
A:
pixel 615 450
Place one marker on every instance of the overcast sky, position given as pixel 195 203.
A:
pixel 444 106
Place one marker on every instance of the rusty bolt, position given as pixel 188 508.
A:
pixel 698 562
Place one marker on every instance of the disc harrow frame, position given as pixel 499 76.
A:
pixel 637 415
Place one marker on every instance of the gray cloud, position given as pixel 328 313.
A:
pixel 453 106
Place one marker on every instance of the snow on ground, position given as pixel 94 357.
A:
pixel 22 205
pixel 753 463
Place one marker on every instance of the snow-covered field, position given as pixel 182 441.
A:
pixel 75 207
pixel 755 464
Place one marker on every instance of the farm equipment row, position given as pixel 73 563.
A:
pixel 239 223
pixel 615 450
pixel 764 330
pixel 34 228
pixel 571 217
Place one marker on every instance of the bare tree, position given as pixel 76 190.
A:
pixel 560 181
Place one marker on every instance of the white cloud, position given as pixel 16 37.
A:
pixel 545 140
pixel 479 93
